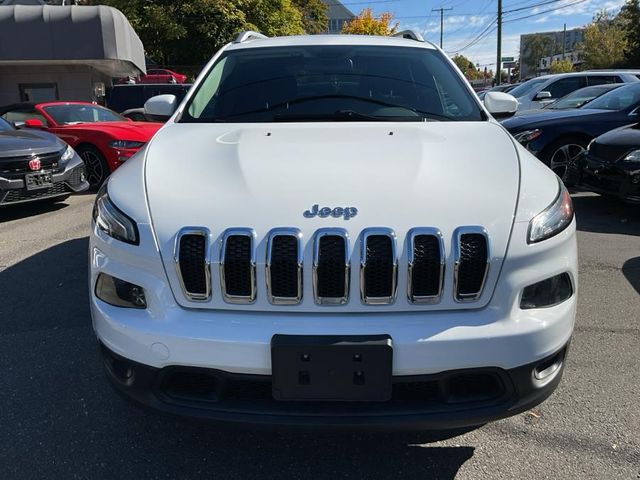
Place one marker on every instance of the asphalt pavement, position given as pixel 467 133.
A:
pixel 60 419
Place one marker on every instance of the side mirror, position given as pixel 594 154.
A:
pixel 33 123
pixel 500 105
pixel 161 107
pixel 544 95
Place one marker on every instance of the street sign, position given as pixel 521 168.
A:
pixel 509 65
pixel 508 59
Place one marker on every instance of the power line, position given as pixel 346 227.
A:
pixel 545 11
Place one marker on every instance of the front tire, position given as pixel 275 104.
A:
pixel 95 164
pixel 563 152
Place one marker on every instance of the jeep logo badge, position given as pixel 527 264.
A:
pixel 336 212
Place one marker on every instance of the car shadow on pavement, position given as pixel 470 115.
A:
pixel 598 214
pixel 24 210
pixel 56 403
pixel 631 271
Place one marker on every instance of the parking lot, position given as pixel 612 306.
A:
pixel 59 418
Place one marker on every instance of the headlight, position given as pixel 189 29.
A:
pixel 112 221
pixel 552 220
pixel 632 157
pixel 125 144
pixel 68 154
pixel 527 136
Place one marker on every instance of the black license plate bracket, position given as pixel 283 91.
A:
pixel 332 368
pixel 35 181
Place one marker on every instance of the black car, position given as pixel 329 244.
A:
pixel 610 165
pixel 558 137
pixel 36 165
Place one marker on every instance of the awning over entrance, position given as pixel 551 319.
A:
pixel 98 36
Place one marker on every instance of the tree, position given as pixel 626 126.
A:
pixel 561 66
pixel 314 15
pixel 604 42
pixel 467 67
pixel 540 46
pixel 629 20
pixel 368 24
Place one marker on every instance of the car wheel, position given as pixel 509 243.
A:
pixel 562 153
pixel 95 164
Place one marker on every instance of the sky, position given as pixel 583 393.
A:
pixel 469 28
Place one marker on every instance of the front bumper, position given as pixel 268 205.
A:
pixel 447 400
pixel 619 179
pixel 71 179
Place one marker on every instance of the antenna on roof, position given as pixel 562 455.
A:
pixel 248 35
pixel 410 34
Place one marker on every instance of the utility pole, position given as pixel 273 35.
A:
pixel 441 10
pixel 564 40
pixel 499 56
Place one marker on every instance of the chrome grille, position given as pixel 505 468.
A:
pixel 426 263
pixel 331 266
pixel 238 266
pixel 284 266
pixel 193 263
pixel 472 257
pixel 378 266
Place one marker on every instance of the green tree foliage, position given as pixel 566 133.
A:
pixel 467 67
pixel 629 20
pixel 540 46
pixel 604 43
pixel 368 24
pixel 188 32
pixel 561 66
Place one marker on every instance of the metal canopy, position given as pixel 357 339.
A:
pixel 98 36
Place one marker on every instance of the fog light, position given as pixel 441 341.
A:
pixel 547 293
pixel 119 293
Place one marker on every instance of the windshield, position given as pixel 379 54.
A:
pixel 580 97
pixel 328 83
pixel 73 113
pixel 4 125
pixel 527 87
pixel 619 99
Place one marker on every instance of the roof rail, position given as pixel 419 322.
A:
pixel 410 34
pixel 248 35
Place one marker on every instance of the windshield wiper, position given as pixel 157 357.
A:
pixel 339 115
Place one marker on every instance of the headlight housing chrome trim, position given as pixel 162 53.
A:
pixel 553 219
pixel 112 221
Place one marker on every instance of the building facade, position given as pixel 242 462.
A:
pixel 553 48
pixel 338 15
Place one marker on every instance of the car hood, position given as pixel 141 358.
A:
pixel 615 144
pixel 535 117
pixel 398 175
pixel 14 143
pixel 139 131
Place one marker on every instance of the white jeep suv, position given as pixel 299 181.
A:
pixel 332 230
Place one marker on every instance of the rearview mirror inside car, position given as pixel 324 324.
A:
pixel 161 107
pixel 500 104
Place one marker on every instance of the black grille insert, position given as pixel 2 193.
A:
pixel 425 269
pixel 331 268
pixel 472 265
pixel 378 268
pixel 193 265
pixel 238 268
pixel 284 269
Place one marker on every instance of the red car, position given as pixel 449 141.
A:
pixel 162 75
pixel 101 137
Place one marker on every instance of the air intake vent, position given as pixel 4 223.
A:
pixel 331 267
pixel 426 265
pixel 238 266
pixel 192 260
pixel 284 266
pixel 472 263
pixel 378 266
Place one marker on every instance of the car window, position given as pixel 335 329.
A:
pixel 580 97
pixel 564 86
pixel 72 113
pixel 318 82
pixel 4 125
pixel 21 115
pixel 602 79
pixel 619 99
pixel 527 87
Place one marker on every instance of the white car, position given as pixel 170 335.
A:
pixel 333 230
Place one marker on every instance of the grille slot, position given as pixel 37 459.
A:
pixel 331 267
pixel 426 265
pixel 238 266
pixel 472 263
pixel 21 195
pixel 284 266
pixel 378 266
pixel 192 260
